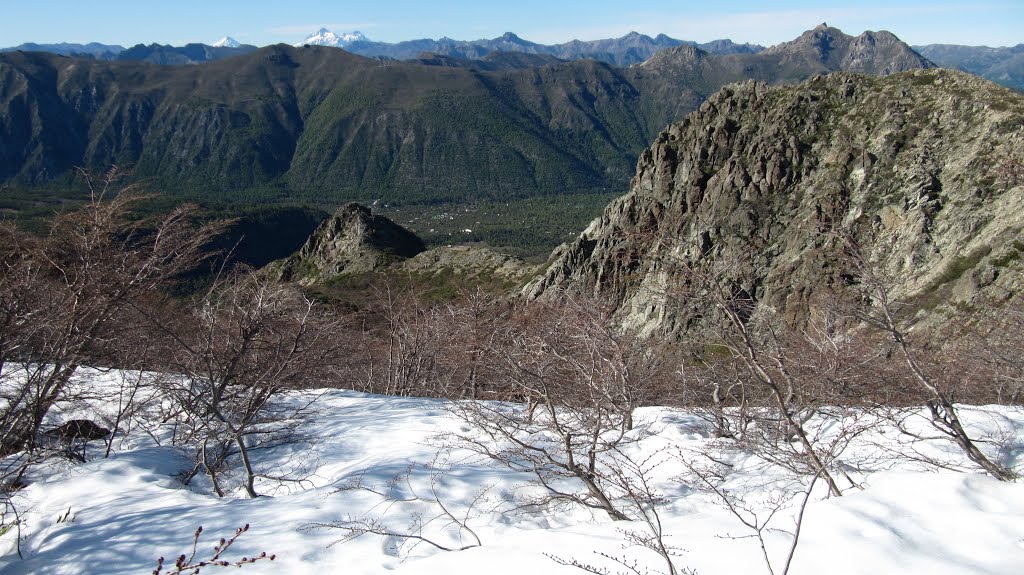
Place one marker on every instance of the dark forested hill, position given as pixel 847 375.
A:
pixel 321 122
pixel 323 126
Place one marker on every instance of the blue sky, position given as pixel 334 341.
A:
pixel 260 22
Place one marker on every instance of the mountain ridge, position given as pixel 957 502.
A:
pixel 761 186
pixel 324 126
pixel 629 49
pixel 1004 65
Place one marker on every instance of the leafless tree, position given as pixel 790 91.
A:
pixel 467 328
pixel 401 344
pixel 883 313
pixel 64 294
pixel 248 341
pixel 582 381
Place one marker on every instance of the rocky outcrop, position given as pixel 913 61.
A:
pixel 924 169
pixel 353 240
pixel 877 53
pixel 470 262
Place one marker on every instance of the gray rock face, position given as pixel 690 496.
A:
pixel 877 53
pixel 469 261
pixel 356 241
pixel 353 240
pixel 924 169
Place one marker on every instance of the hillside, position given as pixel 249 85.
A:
pixel 320 123
pixel 322 126
pixel 326 123
pixel 759 186
pixel 1001 65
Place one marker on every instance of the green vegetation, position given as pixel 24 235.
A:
pixel 442 286
pixel 1012 255
pixel 960 265
pixel 527 228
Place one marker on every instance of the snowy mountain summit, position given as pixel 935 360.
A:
pixel 227 42
pixel 324 37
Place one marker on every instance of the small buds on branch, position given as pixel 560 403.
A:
pixel 190 565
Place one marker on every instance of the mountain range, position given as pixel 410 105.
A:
pixel 330 126
pixel 91 50
pixel 627 50
pixel 1001 65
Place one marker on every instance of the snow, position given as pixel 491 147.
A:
pixel 324 37
pixel 130 508
pixel 226 42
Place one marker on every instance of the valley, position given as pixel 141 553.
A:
pixel 635 306
pixel 319 126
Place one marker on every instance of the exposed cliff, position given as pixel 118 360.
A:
pixel 355 242
pixel 923 169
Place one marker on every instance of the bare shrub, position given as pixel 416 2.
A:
pixel 245 343
pixel 767 381
pixel 62 296
pixel 708 472
pixel 468 329
pixel 920 367
pixel 984 347
pixel 581 381
pixel 414 347
pixel 189 564
pixel 401 344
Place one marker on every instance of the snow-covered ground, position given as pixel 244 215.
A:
pixel 118 514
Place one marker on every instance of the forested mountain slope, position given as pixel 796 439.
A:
pixel 321 125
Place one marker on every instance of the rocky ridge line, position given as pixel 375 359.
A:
pixel 756 186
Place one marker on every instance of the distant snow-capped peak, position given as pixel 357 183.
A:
pixel 226 42
pixel 324 37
